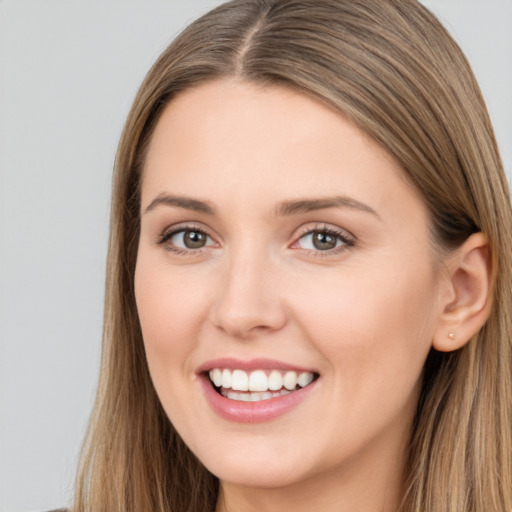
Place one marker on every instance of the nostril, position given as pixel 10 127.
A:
pixel 244 327
pixel 247 303
pixel 247 320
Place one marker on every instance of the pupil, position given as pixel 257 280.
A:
pixel 324 241
pixel 194 239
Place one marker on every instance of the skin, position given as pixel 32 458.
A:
pixel 363 316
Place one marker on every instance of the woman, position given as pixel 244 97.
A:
pixel 309 284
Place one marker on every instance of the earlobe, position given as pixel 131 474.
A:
pixel 470 298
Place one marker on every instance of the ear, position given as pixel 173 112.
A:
pixel 468 302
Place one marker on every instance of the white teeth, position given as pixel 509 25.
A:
pixel 304 379
pixel 275 381
pixel 258 383
pixel 226 379
pixel 216 377
pixel 290 380
pixel 240 381
pixel 250 397
pixel 256 397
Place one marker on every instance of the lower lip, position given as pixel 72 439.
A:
pixel 253 412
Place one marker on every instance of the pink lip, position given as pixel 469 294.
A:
pixel 253 364
pixel 251 412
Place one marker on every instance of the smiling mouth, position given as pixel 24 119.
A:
pixel 258 385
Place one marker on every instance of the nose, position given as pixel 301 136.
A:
pixel 249 301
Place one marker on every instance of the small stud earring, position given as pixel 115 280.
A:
pixel 451 336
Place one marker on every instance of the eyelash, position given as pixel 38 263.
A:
pixel 168 235
pixel 346 239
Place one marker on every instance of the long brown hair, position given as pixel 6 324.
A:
pixel 391 68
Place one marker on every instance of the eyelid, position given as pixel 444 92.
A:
pixel 347 238
pixel 171 231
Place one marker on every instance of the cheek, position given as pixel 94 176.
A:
pixel 373 328
pixel 168 309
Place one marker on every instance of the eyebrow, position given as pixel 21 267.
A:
pixel 309 205
pixel 187 203
pixel 286 208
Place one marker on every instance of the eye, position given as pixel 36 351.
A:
pixel 319 240
pixel 324 240
pixel 186 239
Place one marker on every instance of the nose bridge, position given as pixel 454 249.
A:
pixel 248 299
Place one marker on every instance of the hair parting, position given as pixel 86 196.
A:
pixel 393 70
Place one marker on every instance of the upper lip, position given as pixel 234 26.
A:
pixel 253 364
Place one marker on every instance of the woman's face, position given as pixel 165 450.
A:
pixel 282 252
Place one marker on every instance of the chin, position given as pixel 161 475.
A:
pixel 262 465
pixel 257 475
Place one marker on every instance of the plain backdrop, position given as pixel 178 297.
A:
pixel 69 70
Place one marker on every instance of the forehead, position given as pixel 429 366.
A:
pixel 267 139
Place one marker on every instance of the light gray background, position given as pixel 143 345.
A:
pixel 68 72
